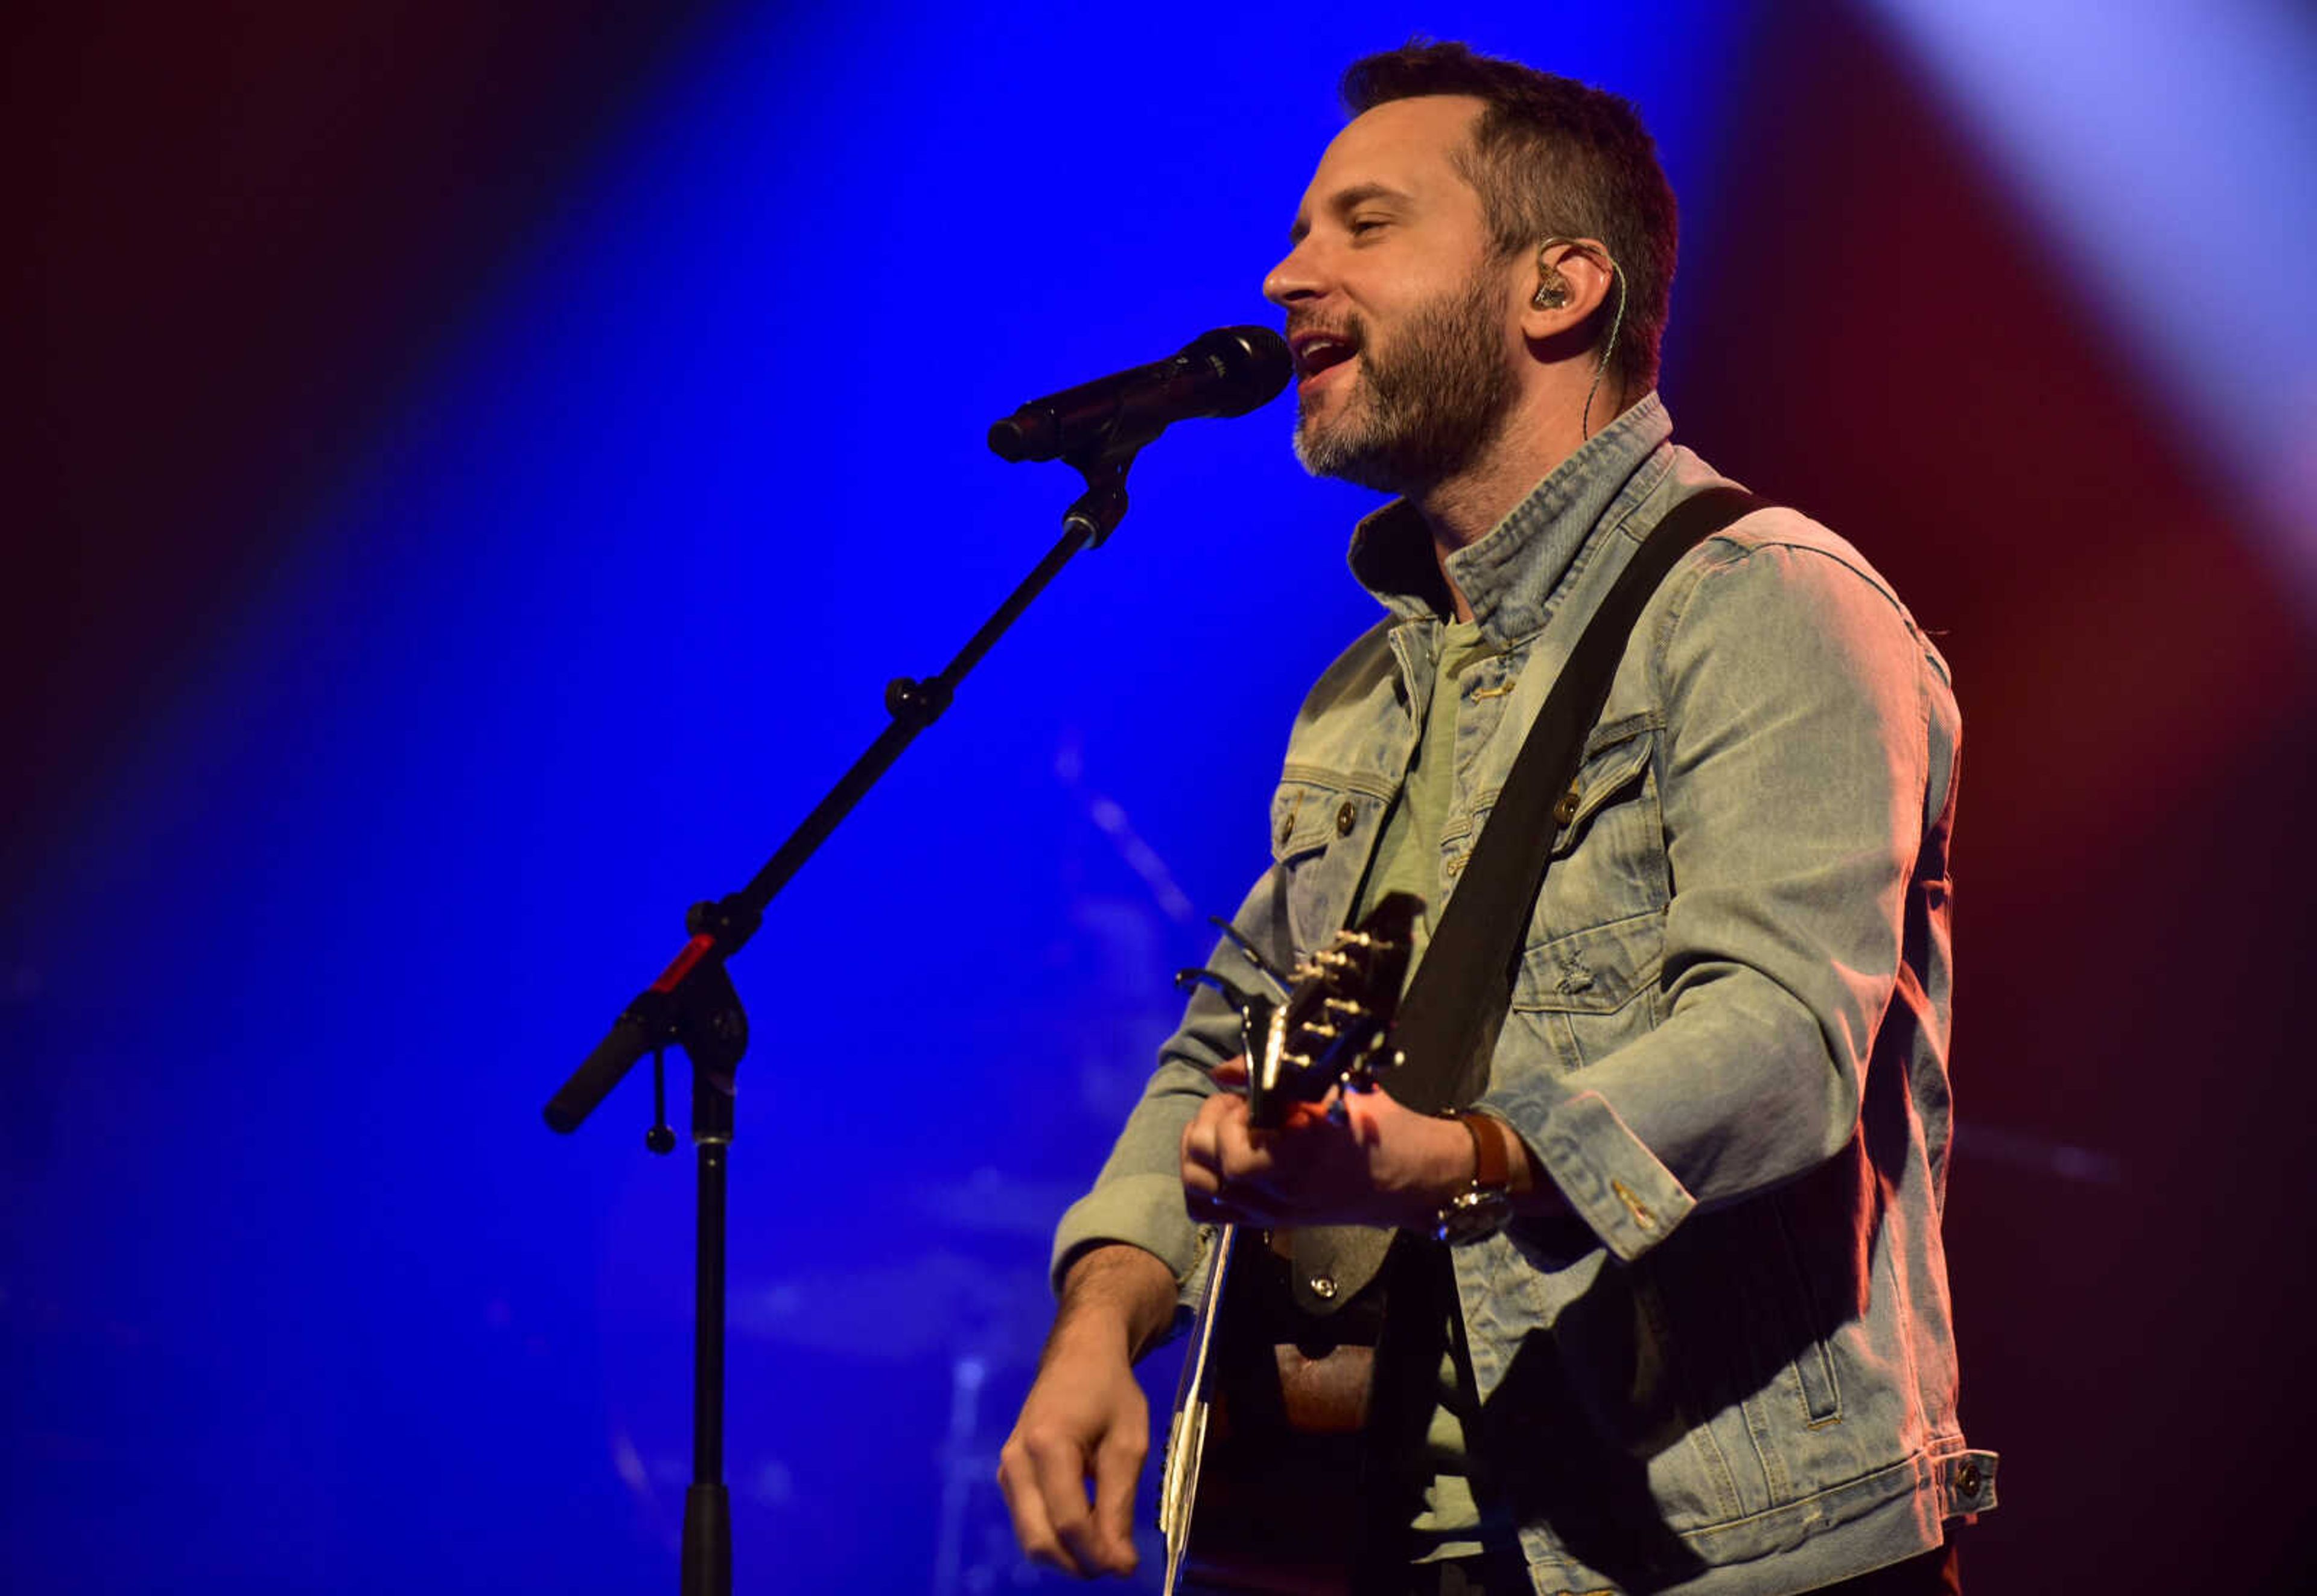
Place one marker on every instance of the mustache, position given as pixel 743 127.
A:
pixel 1351 330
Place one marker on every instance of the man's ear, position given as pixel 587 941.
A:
pixel 1572 279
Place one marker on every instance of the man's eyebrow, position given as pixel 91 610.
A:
pixel 1343 201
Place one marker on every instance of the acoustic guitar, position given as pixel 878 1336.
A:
pixel 1270 1441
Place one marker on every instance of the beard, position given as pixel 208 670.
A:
pixel 1422 408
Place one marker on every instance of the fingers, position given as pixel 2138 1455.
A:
pixel 1018 1477
pixel 1117 1465
pixel 1044 1485
pixel 1348 1159
pixel 1201 1151
pixel 1061 1473
pixel 1226 1170
pixel 1203 1175
pixel 1202 1159
pixel 1085 1420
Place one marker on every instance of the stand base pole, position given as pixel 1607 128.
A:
pixel 707 1541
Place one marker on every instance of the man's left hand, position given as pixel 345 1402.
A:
pixel 1381 1164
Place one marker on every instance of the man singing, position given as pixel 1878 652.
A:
pixel 1693 1333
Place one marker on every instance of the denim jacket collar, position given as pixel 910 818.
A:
pixel 1513 576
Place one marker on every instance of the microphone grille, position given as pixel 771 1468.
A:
pixel 1251 366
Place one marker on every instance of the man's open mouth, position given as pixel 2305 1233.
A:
pixel 1315 351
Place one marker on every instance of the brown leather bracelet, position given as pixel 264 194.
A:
pixel 1492 1161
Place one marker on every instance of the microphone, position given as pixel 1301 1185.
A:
pixel 1227 372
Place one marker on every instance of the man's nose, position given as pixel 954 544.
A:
pixel 1293 279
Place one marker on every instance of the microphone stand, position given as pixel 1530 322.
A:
pixel 693 1005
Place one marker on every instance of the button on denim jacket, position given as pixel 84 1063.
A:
pixel 1732 1370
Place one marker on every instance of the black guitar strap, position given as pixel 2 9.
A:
pixel 1456 1004
pixel 1449 1019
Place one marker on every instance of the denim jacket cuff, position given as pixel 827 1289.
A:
pixel 1610 1178
pixel 1142 1210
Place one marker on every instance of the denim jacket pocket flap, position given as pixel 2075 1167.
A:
pixel 1304 816
pixel 1597 970
pixel 1616 758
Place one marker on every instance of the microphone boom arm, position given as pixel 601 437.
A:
pixel 693 1005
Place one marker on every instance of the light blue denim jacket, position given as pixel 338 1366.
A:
pixel 1733 1370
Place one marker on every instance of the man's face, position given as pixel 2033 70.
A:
pixel 1402 318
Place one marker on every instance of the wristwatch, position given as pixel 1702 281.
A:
pixel 1482 1207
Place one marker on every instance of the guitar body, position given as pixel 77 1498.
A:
pixel 1274 1468
pixel 1277 1448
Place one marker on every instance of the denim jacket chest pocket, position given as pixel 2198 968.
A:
pixel 1587 980
pixel 1322 825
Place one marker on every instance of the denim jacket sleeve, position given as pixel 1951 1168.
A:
pixel 1138 1197
pixel 1807 743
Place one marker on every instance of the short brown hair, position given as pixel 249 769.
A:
pixel 1551 155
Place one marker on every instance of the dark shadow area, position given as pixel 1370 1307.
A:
pixel 251 230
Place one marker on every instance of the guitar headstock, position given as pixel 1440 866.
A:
pixel 1329 1030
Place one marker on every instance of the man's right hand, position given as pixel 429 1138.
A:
pixel 1086 1420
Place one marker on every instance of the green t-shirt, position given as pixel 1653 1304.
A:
pixel 1448 1523
pixel 1407 854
